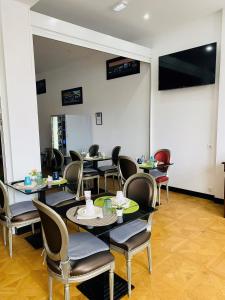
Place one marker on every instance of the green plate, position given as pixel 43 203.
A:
pixel 131 209
pixel 57 182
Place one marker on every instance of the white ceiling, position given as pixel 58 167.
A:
pixel 129 24
pixel 50 54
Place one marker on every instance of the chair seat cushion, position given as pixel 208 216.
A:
pixel 108 169
pixel 21 208
pixel 85 265
pixel 56 198
pixel 90 172
pixel 162 179
pixel 125 232
pixel 84 244
pixel 134 241
pixel 156 173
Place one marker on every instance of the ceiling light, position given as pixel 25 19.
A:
pixel 146 16
pixel 209 48
pixel 120 6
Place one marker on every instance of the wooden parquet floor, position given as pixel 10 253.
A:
pixel 188 247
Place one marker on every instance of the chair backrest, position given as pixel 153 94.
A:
pixel 75 156
pixel 163 155
pixel 93 150
pixel 115 155
pixel 50 159
pixel 127 167
pixel 73 174
pixel 59 159
pixel 4 200
pixel 55 233
pixel 142 188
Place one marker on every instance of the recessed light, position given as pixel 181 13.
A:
pixel 209 48
pixel 146 16
pixel 120 6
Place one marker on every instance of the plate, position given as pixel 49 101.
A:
pixel 124 204
pixel 96 213
pixel 32 186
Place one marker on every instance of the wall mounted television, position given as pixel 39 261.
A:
pixel 192 67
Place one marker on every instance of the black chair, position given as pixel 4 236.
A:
pixel 111 170
pixel 72 257
pixel 134 237
pixel 58 161
pixel 127 167
pixel 93 150
pixel 88 173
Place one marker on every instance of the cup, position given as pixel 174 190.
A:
pixel 49 181
pixel 107 207
pixel 39 178
pixel 119 197
pixel 27 180
pixel 55 175
pixel 89 207
pixel 87 195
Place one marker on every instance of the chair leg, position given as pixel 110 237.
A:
pixel 149 253
pixel 82 188
pixel 111 284
pixel 50 279
pixel 66 291
pixel 98 184
pixel 114 181
pixel 10 241
pixel 129 275
pixel 4 235
pixel 32 227
pixel 105 183
pixel 167 192
pixel 159 196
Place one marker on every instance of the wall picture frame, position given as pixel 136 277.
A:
pixel 121 66
pixel 72 96
pixel 98 118
pixel 41 86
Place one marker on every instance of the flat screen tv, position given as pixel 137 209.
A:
pixel 192 67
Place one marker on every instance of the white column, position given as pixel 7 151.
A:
pixel 17 90
pixel 220 150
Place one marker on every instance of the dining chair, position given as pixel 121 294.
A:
pixel 74 257
pixel 127 167
pixel 111 170
pixel 58 161
pixel 73 175
pixel 134 237
pixel 88 173
pixel 161 173
pixel 93 150
pixel 15 215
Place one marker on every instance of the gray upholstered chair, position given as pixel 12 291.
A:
pixel 112 170
pixel 15 215
pixel 72 257
pixel 127 167
pixel 88 173
pixel 73 175
pixel 134 237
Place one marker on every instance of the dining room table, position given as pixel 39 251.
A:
pixel 98 288
pixel 148 166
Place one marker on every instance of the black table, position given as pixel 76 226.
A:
pixel 98 288
pixel 40 191
pixel 146 167
pixel 96 159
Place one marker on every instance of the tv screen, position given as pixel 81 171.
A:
pixel 192 67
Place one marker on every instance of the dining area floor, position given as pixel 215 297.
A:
pixel 188 253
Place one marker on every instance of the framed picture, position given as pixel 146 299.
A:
pixel 98 117
pixel 72 96
pixel 121 66
pixel 41 86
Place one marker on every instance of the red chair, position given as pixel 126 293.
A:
pixel 161 173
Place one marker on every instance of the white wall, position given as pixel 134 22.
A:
pixel 124 103
pixel 185 120
pixel 17 91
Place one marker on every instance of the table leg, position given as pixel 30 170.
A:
pixel 42 196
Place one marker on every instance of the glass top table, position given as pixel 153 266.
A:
pixel 40 190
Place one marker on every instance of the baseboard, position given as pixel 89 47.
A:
pixel 195 194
